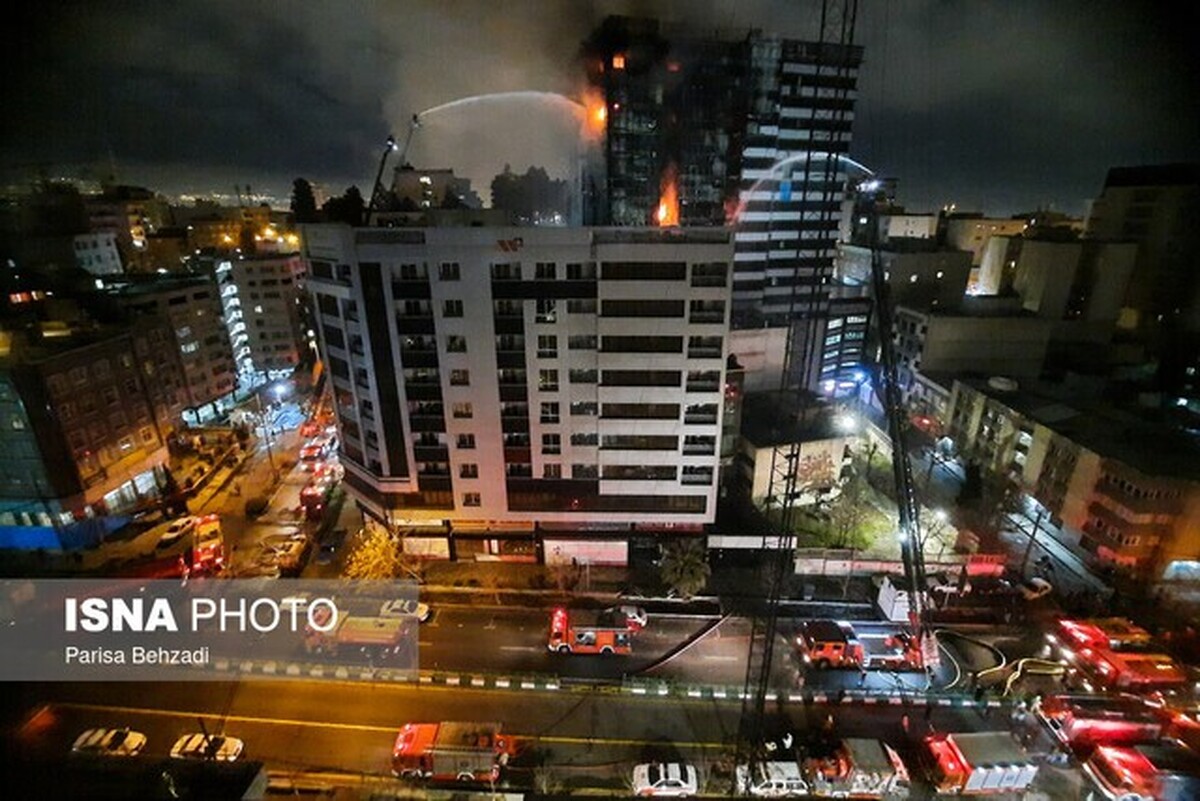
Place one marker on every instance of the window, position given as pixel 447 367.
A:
pixel 700 414
pixel 704 347
pixel 546 311
pixel 697 475
pixel 452 308
pixel 584 439
pixel 699 446
pixel 703 380
pixel 468 470
pixel 456 344
pixel 551 443
pixel 581 342
pixel 506 272
pixel 460 378
pixel 408 272
pixel 583 376
pixel 643 271
pixel 709 274
pixel 550 413
pixel 706 311
pixel 548 380
pixel 643 308
pixel 552 471
pixel 581 306
pixel 585 409
pixel 466 441
pixel 472 499
pixel 581 272
pixel 463 411
pixel 584 471
pixel 449 271
pixel 547 346
pixel 545 271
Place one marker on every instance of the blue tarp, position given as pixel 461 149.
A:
pixel 80 534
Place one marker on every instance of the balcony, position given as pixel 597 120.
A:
pixel 514 393
pixel 433 423
pixel 423 392
pixel 431 453
pixel 510 359
pixel 410 324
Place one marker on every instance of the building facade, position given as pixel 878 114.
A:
pixel 265 311
pixel 740 129
pixel 98 254
pixel 496 386
pixel 193 310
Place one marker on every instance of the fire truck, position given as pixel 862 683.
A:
pixel 856 768
pixel 204 555
pixel 1166 771
pixel 1113 654
pixel 470 752
pixel 835 644
pixel 576 632
pixel 376 638
pixel 1083 722
pixel 980 763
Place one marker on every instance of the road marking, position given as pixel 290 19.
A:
pixel 520 648
pixel 720 658
pixel 165 713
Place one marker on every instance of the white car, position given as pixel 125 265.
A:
pixel 176 531
pixel 216 747
pixel 110 742
pixel 406 608
pixel 635 616
pixel 674 779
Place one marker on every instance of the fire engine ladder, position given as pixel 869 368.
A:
pixel 778 543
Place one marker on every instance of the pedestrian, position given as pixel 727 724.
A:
pixel 904 723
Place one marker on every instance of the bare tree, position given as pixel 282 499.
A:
pixel 379 554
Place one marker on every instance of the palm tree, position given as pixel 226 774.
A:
pixel 685 566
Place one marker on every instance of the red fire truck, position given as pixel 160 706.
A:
pixel 376 638
pixel 1166 771
pixel 835 644
pixel 1113 654
pixel 979 763
pixel 1082 722
pixel 579 633
pixel 470 752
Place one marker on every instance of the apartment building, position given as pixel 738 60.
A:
pixel 265 310
pixel 509 390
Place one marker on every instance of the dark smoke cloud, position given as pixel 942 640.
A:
pixel 997 105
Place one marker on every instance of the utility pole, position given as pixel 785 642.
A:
pixel 1037 523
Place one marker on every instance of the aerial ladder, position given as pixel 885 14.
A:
pixel 837 29
pixel 378 191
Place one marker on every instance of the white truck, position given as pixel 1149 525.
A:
pixel 978 763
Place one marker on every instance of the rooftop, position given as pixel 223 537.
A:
pixel 776 418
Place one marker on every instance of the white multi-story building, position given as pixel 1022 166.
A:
pixel 503 390
pixel 98 254
pixel 263 304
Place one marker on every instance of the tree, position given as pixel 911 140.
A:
pixel 685 566
pixel 349 208
pixel 848 513
pixel 379 554
pixel 304 203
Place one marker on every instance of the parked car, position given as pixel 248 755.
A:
pixel 665 779
pixel 176 531
pixel 212 747
pixel 110 742
pixel 635 617
pixel 406 608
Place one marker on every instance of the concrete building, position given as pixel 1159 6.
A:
pixel 911 226
pixel 132 214
pixel 264 308
pixel 429 189
pixel 511 391
pixel 1156 207
pixel 1126 490
pixel 80 434
pixel 193 310
pixel 98 253
pixel 972 233
pixel 824 449
pixel 918 273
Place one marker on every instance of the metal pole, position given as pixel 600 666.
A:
pixel 1032 536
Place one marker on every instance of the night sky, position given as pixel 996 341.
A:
pixel 995 106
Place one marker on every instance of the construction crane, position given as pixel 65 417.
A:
pixel 778 545
pixel 837 32
pixel 377 189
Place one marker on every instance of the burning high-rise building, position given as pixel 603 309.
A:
pixel 739 128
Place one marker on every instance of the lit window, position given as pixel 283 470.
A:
pixel 472 499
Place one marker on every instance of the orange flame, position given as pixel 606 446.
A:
pixel 595 113
pixel 668 199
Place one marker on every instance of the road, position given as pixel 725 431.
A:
pixel 590 739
